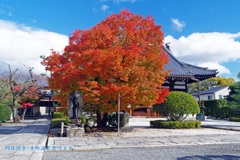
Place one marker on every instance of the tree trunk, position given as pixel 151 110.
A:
pixel 16 118
pixel 99 119
pixel 13 116
pixel 24 112
pixel 104 119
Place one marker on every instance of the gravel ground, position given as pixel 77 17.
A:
pixel 150 132
pixel 199 152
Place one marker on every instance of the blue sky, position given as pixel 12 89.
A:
pixel 200 32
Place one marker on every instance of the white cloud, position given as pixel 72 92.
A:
pixel 21 44
pixel 119 1
pixel 5 9
pixel 177 25
pixel 104 8
pixel 210 50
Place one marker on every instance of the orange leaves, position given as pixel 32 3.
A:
pixel 120 54
pixel 162 95
pixel 90 90
pixel 31 95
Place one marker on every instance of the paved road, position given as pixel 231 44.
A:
pixel 193 152
pixel 24 141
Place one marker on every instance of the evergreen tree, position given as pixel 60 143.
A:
pixel 234 96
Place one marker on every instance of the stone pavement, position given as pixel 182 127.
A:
pixel 221 124
pixel 28 139
pixel 122 141
pixel 24 141
pixel 143 136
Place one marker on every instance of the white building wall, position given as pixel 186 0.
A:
pixel 205 97
pixel 222 93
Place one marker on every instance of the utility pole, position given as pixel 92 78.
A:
pixel 119 113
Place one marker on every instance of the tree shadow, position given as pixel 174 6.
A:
pixel 36 126
pixel 220 126
pixel 210 157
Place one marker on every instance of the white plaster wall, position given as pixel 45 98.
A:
pixel 204 97
pixel 223 92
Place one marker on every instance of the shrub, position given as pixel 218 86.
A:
pixel 177 105
pixel 218 108
pixel 175 124
pixel 112 119
pixel 56 122
pixel 83 119
pixel 5 113
pixel 234 119
pixel 58 115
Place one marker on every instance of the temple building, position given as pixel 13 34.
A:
pixel 181 74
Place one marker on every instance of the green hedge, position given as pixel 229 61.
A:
pixel 175 124
pixel 58 115
pixel 234 119
pixel 5 113
pixel 218 108
pixel 56 122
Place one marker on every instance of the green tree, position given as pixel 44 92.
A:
pixel 5 113
pixel 177 106
pixel 209 83
pixel 234 96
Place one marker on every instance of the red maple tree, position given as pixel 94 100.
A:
pixel 28 98
pixel 122 54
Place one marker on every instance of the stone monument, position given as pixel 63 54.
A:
pixel 75 105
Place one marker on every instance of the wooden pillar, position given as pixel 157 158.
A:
pixel 131 111
pixel 49 105
pixel 199 100
pixel 148 112
pixel 171 85
pixel 186 88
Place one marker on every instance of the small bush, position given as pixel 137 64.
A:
pixel 175 124
pixel 5 113
pixel 112 119
pixel 177 106
pixel 234 119
pixel 56 122
pixel 83 119
pixel 58 115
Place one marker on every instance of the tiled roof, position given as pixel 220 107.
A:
pixel 211 90
pixel 178 68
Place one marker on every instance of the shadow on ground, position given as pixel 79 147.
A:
pixel 210 157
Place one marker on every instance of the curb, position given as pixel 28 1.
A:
pixel 216 127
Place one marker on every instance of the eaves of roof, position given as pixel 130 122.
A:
pixel 178 68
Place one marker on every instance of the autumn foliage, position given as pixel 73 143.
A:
pixel 31 95
pixel 162 95
pixel 122 53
